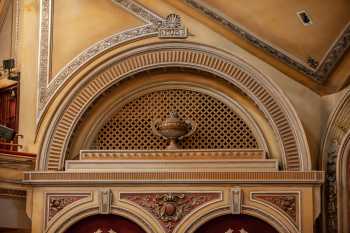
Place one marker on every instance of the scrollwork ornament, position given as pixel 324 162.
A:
pixel 170 208
pixel 331 186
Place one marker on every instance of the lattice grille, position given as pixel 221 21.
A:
pixel 219 127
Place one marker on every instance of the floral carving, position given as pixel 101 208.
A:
pixel 170 208
pixel 57 202
pixel 285 202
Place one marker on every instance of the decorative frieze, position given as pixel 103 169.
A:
pixel 56 202
pixel 46 177
pixel 288 203
pixel 199 154
pixel 170 208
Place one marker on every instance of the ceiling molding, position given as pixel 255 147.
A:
pixel 319 73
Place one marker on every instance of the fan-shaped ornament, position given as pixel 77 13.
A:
pixel 171 27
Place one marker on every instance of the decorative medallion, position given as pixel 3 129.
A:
pixel 170 208
pixel 286 202
pixel 56 202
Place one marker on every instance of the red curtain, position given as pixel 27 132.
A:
pixel 236 224
pixel 8 110
pixel 105 224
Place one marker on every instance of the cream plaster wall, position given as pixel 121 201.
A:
pixel 28 55
pixel 80 23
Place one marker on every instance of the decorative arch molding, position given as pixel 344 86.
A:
pixel 266 95
pixel 333 147
pixel 281 227
pixel 343 167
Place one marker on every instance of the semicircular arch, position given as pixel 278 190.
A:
pixel 266 95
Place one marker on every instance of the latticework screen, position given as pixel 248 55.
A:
pixel 218 125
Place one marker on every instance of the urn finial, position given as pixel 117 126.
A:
pixel 173 129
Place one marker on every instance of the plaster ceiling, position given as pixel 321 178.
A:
pixel 316 55
pixel 277 23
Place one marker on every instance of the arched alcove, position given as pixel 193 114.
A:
pixel 225 118
pixel 105 224
pixel 259 89
pixel 236 224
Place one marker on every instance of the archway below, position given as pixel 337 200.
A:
pixel 105 224
pixel 236 224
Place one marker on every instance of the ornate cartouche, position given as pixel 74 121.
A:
pixel 173 129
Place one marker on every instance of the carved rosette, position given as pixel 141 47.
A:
pixel 170 208
pixel 56 202
pixel 285 202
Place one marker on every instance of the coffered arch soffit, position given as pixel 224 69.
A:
pixel 266 95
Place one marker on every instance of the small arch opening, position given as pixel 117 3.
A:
pixel 236 224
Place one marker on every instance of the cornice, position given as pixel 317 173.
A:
pixel 317 71
pixel 155 177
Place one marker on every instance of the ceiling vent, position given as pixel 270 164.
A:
pixel 304 17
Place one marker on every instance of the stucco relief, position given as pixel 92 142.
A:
pixel 284 202
pixel 55 202
pixel 170 208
